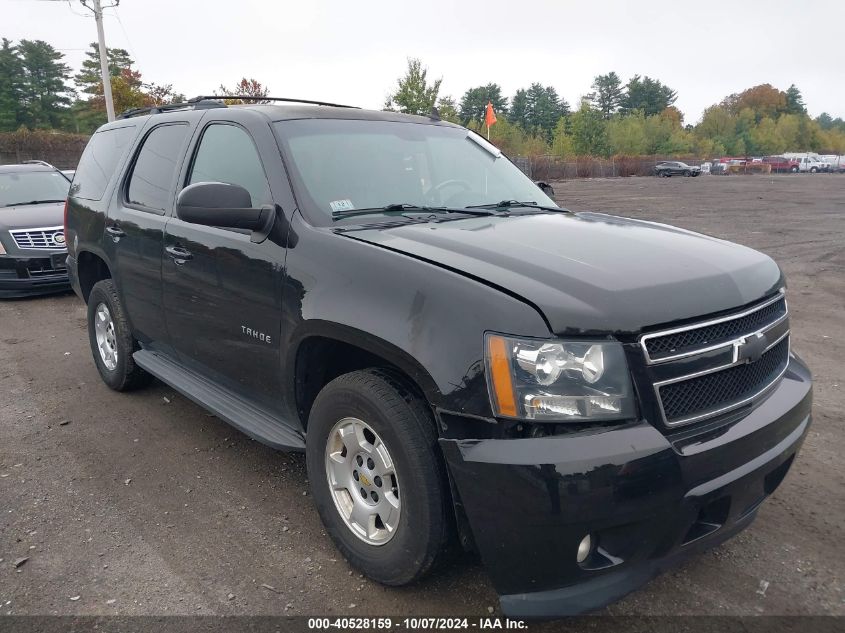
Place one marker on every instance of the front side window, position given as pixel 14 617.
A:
pixel 227 154
pixel 154 173
pixel 340 165
pixel 32 187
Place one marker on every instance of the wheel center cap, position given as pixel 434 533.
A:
pixel 364 479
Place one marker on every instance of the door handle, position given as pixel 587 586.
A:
pixel 115 231
pixel 178 254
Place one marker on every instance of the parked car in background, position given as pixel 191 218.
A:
pixel 781 164
pixel 675 168
pixel 836 162
pixel 32 235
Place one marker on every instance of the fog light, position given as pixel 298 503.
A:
pixel 584 548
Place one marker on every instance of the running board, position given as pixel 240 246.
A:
pixel 245 416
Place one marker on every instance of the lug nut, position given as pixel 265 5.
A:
pixel 355 474
pixel 360 460
pixel 374 496
pixel 377 481
pixel 370 463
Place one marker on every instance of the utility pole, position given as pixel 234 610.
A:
pixel 104 60
pixel 97 9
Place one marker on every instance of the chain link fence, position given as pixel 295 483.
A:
pixel 555 168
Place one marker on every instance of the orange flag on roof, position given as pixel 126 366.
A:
pixel 490 115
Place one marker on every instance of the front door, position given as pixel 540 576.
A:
pixel 222 291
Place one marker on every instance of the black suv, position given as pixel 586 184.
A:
pixel 32 238
pixel 583 399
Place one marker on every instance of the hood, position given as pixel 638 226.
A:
pixel 32 216
pixel 590 272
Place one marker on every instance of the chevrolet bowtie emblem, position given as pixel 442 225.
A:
pixel 750 349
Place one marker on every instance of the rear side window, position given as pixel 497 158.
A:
pixel 227 154
pixel 155 169
pixel 99 161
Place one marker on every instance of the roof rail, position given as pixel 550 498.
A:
pixel 285 99
pixel 198 103
pixel 38 162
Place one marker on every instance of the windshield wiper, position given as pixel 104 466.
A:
pixel 506 205
pixel 402 208
pixel 22 204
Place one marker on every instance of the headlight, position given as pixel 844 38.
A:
pixel 566 381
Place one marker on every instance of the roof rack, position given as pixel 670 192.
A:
pixel 37 162
pixel 198 103
pixel 217 101
pixel 285 99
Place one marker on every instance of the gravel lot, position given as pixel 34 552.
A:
pixel 145 504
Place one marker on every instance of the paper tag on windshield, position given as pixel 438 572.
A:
pixel 341 205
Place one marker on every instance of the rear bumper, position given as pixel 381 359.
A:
pixel 24 277
pixel 647 500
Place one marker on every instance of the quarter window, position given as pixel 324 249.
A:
pixel 227 154
pixel 99 160
pixel 154 174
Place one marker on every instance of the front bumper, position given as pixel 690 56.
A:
pixel 28 276
pixel 647 499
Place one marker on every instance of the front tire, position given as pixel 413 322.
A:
pixel 111 340
pixel 377 476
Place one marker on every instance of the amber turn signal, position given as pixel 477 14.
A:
pixel 500 374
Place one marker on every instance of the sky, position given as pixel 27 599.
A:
pixel 353 52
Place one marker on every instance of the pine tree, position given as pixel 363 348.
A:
pixel 11 88
pixel 89 79
pixel 607 94
pixel 795 101
pixel 43 87
pixel 474 102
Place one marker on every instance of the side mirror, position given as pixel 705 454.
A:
pixel 222 205
pixel 546 188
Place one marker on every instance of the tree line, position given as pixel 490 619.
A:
pixel 38 92
pixel 637 117
pixel 633 117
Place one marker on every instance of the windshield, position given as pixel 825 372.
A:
pixel 28 187
pixel 345 165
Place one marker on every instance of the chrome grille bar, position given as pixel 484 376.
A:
pixel 46 238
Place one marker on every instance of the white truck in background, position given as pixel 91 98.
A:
pixel 809 162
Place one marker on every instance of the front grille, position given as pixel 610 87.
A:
pixel 50 238
pixel 709 394
pixel 722 331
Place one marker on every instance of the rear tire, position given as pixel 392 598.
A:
pixel 687 173
pixel 111 340
pixel 382 413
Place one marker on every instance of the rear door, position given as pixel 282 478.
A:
pixel 134 230
pixel 222 292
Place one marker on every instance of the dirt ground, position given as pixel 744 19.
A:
pixel 145 504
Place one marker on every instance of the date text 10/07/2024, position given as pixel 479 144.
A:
pixel 415 624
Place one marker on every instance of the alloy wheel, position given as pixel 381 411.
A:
pixel 362 480
pixel 106 339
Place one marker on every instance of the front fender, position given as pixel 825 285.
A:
pixel 425 319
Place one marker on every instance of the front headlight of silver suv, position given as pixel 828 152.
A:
pixel 558 381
